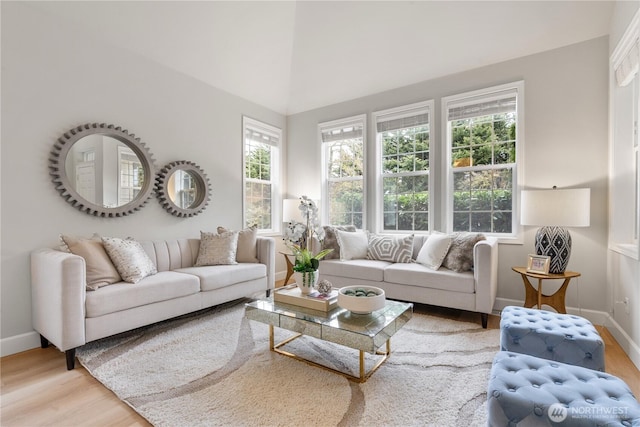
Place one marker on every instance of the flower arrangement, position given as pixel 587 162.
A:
pixel 298 237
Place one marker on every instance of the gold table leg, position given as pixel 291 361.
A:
pixel 363 375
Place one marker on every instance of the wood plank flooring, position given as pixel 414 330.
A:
pixel 37 389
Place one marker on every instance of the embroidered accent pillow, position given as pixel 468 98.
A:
pixel 247 244
pixel 330 240
pixel 353 245
pixel 390 248
pixel 217 249
pixel 130 259
pixel 460 255
pixel 100 269
pixel 434 250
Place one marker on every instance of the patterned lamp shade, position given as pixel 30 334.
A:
pixel 554 210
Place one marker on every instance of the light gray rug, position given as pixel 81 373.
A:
pixel 215 369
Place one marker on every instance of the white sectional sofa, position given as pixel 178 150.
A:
pixel 473 290
pixel 68 316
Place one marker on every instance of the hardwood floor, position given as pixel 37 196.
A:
pixel 37 389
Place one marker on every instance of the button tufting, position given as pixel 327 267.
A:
pixel 589 401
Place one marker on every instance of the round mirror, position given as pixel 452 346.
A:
pixel 102 170
pixel 183 188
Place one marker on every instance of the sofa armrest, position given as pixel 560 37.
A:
pixel 267 255
pixel 58 290
pixel 485 271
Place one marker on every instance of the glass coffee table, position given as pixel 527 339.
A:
pixel 362 332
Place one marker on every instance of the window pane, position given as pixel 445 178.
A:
pixel 345 202
pixel 483 200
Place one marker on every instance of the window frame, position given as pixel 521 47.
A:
pixel 357 120
pixel 403 111
pixel 475 97
pixel 249 123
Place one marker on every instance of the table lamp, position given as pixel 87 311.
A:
pixel 554 210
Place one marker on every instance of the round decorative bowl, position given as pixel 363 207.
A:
pixel 361 299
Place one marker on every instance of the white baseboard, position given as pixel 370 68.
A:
pixel 631 348
pixel 19 343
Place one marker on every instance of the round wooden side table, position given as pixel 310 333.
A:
pixel 535 297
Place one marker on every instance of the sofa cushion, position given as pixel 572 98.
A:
pixel 100 269
pixel 120 296
pixel 217 249
pixel 247 243
pixel 130 258
pixel 219 276
pixel 390 248
pixel 353 245
pixel 419 275
pixel 365 269
pixel 330 240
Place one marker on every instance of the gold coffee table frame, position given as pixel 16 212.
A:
pixel 370 333
pixel 364 376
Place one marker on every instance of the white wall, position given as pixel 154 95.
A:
pixel 566 97
pixel 623 279
pixel 55 77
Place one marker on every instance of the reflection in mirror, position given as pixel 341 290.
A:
pixel 102 170
pixel 183 188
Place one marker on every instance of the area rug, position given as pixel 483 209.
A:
pixel 214 368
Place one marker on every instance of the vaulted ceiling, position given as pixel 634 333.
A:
pixel 293 56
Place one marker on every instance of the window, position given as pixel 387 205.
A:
pixel 261 177
pixel 343 171
pixel 483 133
pixel 624 187
pixel 131 175
pixel 403 156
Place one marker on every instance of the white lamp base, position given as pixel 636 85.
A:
pixel 554 242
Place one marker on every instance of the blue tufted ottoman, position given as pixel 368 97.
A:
pixel 529 391
pixel 554 336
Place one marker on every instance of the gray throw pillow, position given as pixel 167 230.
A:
pixel 331 239
pixel 247 244
pixel 390 248
pixel 460 255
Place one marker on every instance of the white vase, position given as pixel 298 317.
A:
pixel 306 281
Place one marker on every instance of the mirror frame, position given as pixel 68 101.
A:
pixel 61 181
pixel 203 188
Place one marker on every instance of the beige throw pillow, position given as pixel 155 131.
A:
pixel 217 249
pixel 434 250
pixel 247 244
pixel 130 258
pixel 100 269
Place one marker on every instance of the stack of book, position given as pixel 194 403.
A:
pixel 315 300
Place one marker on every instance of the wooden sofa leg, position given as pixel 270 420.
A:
pixel 44 343
pixel 71 358
pixel 485 318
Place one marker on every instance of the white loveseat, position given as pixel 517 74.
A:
pixel 473 290
pixel 68 316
